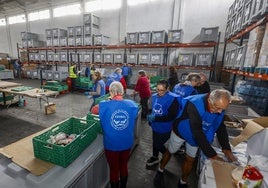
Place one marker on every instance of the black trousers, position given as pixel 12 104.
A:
pixel 144 107
pixel 159 139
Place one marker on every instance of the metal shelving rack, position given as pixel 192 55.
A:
pixel 263 78
pixel 165 46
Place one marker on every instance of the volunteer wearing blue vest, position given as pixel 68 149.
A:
pixel 126 73
pixel 116 76
pixel 187 88
pixel 98 87
pixel 118 117
pixel 164 110
pixel 201 116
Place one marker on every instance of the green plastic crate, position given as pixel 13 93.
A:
pixel 22 88
pixel 64 155
pixel 8 97
pixel 2 67
pixel 94 117
pixel 53 83
pixel 155 79
pixel 101 98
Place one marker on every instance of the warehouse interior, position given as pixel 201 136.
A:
pixel 225 40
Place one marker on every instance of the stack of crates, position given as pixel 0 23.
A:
pixel 30 40
pixel 55 86
pixel 71 36
pixel 56 37
pixel 91 28
pixel 79 35
pixel 83 83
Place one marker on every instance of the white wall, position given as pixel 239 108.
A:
pixel 153 16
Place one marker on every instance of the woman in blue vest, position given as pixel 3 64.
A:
pixel 164 110
pixel 118 117
pixel 116 76
pixel 188 87
pixel 200 118
pixel 98 87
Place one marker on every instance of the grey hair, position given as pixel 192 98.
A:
pixel 142 72
pixel 116 88
pixel 118 70
pixel 218 94
pixel 193 77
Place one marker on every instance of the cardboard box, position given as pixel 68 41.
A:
pixel 50 108
pixel 256 132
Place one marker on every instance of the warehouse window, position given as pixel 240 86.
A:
pixel 137 2
pixel 102 5
pixel 39 15
pixel 74 9
pixel 16 19
pixel 2 21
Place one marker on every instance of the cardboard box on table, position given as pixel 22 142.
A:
pixel 219 174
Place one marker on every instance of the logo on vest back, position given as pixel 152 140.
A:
pixel 119 120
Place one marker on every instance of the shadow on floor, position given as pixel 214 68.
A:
pixel 12 129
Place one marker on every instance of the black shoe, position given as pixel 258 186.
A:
pixel 180 185
pixel 152 161
pixel 159 179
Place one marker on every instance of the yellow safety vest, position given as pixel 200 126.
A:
pixel 71 72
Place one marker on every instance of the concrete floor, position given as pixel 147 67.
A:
pixel 19 122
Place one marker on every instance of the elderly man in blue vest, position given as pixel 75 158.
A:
pixel 200 118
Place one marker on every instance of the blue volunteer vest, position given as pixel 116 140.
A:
pixel 125 71
pixel 184 90
pixel 160 107
pixel 102 84
pixel 118 119
pixel 113 77
pixel 210 121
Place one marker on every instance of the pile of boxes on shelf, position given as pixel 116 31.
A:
pixel 242 13
pixel 172 36
pixel 254 94
pixel 85 35
pixel 30 40
pixel 251 57
pixel 6 67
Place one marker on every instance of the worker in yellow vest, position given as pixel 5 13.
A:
pixel 73 75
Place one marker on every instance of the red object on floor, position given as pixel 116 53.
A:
pixel 69 83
